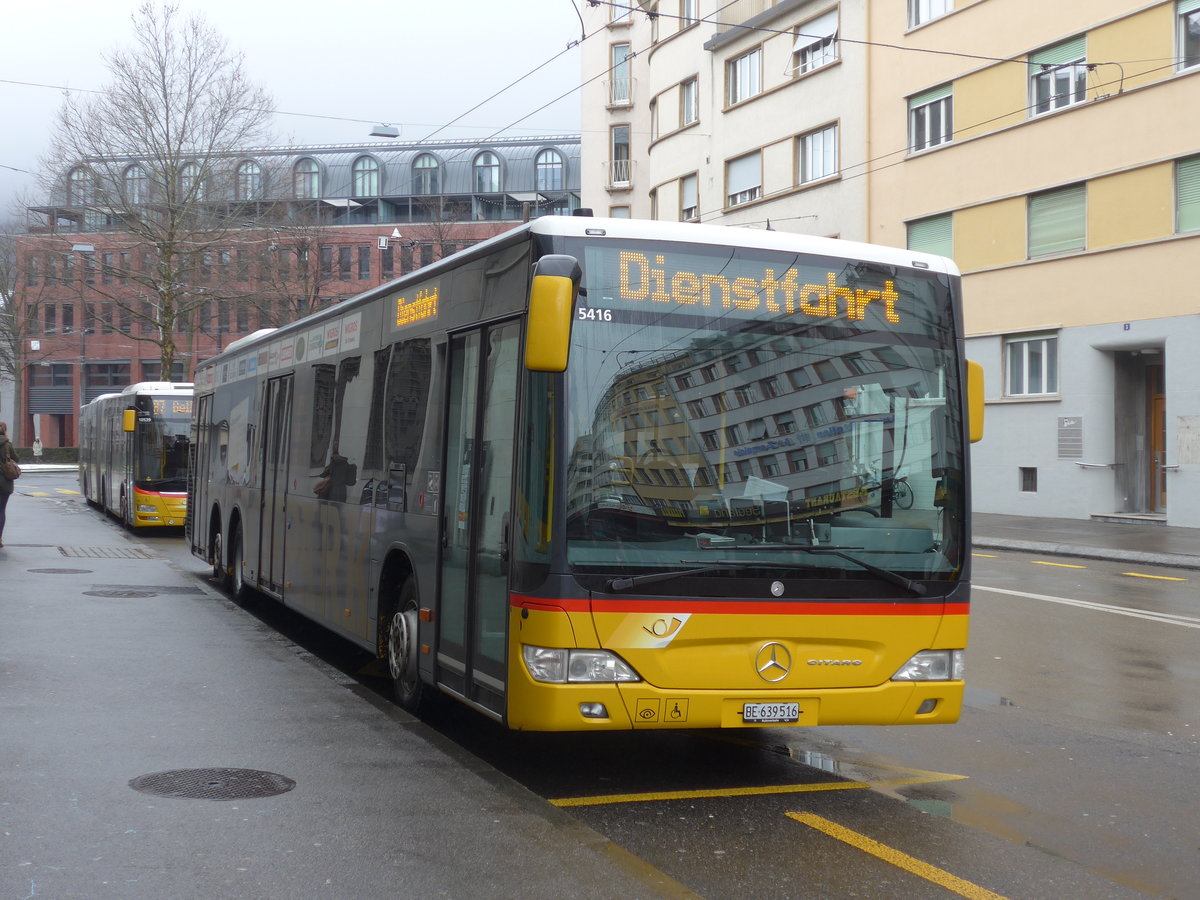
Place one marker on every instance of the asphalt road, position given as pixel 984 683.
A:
pixel 1069 776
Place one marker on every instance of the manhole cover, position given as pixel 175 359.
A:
pixel 61 571
pixel 213 784
pixel 119 594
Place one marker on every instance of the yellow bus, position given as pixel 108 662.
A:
pixel 615 474
pixel 133 453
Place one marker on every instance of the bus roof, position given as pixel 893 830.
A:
pixel 160 387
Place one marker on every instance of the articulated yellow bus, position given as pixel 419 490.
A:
pixel 133 453
pixel 614 474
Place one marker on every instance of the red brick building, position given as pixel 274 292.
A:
pixel 329 222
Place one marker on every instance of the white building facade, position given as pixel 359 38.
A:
pixel 690 116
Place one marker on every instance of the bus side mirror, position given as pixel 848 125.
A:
pixel 975 400
pixel 551 310
pixel 129 420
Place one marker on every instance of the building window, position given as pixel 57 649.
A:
pixel 1187 194
pixel 620 84
pixel 306 180
pixel 548 168
pixel 137 185
pixel 618 212
pixel 797 460
pixel 1189 33
pixel 248 181
pixel 426 175
pixel 931 118
pixel 365 177
pixel 817 153
pixel 1058 76
pixel 364 263
pixel 620 11
pixel 80 187
pixel 619 159
pixel 816 43
pixel 688 13
pixel 743 179
pixel 191 184
pixel 1028 476
pixel 1058 221
pixel 920 11
pixel 51 319
pixel 932 235
pixel 1032 365
pixel 487 173
pixel 743 77
pixel 785 423
pixel 689 102
pixel 689 198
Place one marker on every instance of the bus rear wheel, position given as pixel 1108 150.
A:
pixel 219 570
pixel 237 577
pixel 403 650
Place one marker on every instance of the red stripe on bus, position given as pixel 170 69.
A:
pixel 870 607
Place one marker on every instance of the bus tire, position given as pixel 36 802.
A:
pixel 403 650
pixel 219 570
pixel 237 577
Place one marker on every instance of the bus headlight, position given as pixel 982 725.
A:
pixel 933 665
pixel 561 666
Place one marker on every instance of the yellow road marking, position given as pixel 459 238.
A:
pixel 920 777
pixel 985 555
pixel 1155 577
pixel 36 494
pixel 1038 562
pixel 897 858
pixel 65 491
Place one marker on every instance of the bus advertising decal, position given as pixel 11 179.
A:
pixel 351 327
pixel 333 336
pixel 316 344
pixel 285 353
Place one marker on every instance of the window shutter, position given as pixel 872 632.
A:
pixel 689 192
pixel 932 235
pixel 744 173
pixel 1057 221
pixel 819 29
pixel 1187 191
pixel 1066 52
pixel 938 93
pixel 1187 6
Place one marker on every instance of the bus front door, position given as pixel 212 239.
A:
pixel 477 490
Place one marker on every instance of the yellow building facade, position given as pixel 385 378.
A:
pixel 1062 173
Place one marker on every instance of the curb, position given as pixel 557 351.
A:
pixel 1169 560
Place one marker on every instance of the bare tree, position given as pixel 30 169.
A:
pixel 150 159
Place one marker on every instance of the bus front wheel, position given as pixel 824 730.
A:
pixel 237 576
pixel 219 571
pixel 403 650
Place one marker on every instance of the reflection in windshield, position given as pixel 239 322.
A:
pixel 724 432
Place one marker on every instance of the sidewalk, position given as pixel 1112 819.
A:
pixel 1148 544
pixel 133 695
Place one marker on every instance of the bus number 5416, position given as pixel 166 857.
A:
pixel 595 315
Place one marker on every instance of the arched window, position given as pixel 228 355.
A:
pixel 487 173
pixel 549 171
pixel 80 187
pixel 365 176
pixel 190 185
pixel 248 182
pixel 137 185
pixel 426 171
pixel 306 180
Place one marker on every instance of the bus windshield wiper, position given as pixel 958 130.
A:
pixel 884 574
pixel 624 584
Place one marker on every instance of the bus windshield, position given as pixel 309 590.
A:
pixel 736 412
pixel 161 445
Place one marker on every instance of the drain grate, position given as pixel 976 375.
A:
pixel 107 552
pixel 119 594
pixel 60 571
pixel 213 784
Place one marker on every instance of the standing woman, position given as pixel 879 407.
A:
pixel 6 486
